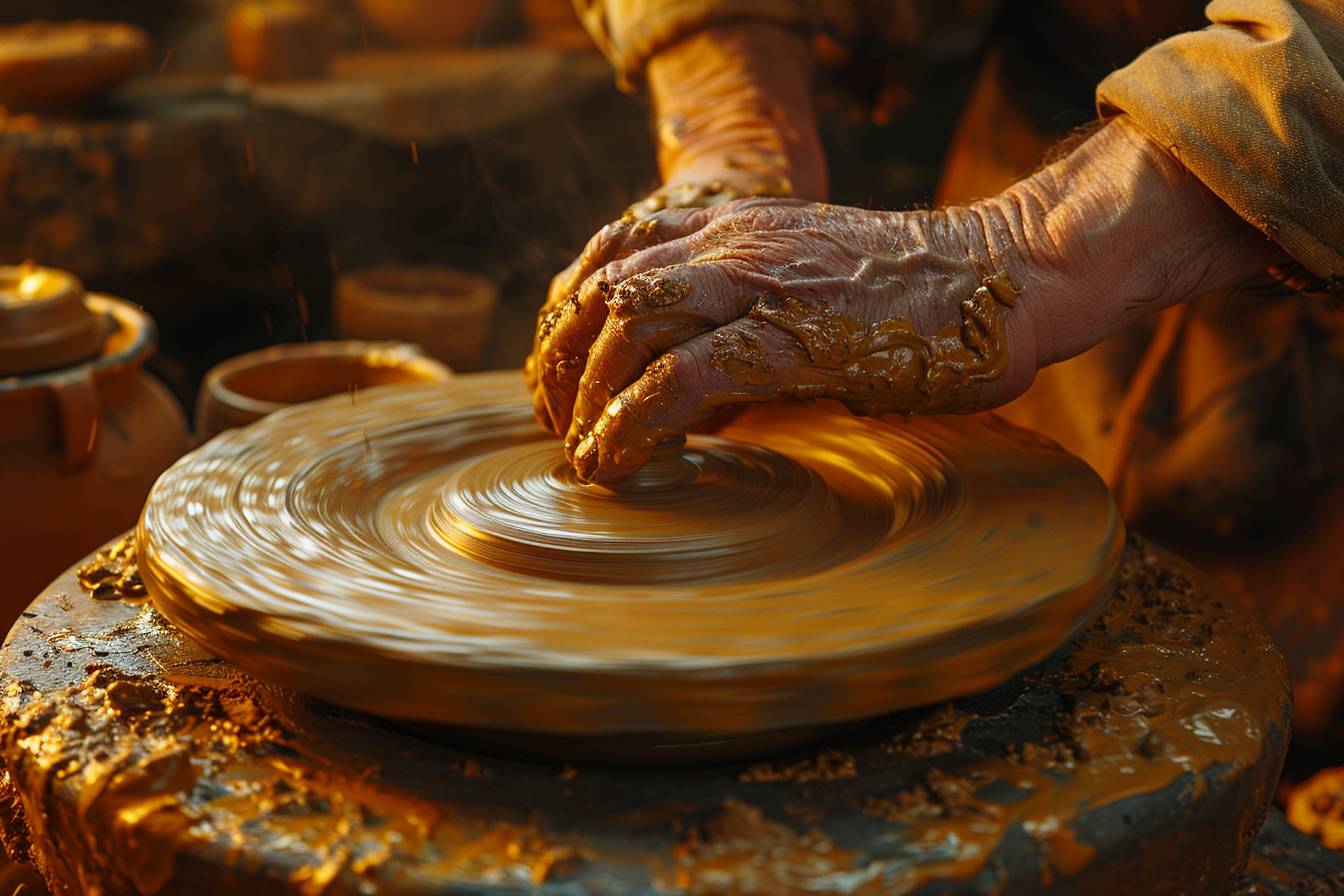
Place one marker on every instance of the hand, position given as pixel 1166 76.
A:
pixel 920 311
pixel 734 118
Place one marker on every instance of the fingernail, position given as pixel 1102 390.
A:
pixel 585 459
pixel 578 429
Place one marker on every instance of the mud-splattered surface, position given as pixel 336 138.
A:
pixel 1140 759
pixel 1286 862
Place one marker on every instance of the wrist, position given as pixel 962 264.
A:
pixel 735 103
pixel 1115 231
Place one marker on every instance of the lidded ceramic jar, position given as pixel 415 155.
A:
pixel 84 431
pixel 247 387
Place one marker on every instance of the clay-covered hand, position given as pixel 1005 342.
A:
pixel 923 311
pixel 764 298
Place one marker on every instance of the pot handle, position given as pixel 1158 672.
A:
pixel 78 408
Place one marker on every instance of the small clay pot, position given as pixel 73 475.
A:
pixel 426 23
pixel 82 436
pixel 246 388
pixel 278 40
pixel 446 311
pixel 64 65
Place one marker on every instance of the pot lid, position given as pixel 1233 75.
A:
pixel 45 322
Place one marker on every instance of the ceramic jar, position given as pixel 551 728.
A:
pixel 426 23
pixel 84 431
pixel 248 387
pixel 446 311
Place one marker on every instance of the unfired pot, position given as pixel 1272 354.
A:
pixel 278 41
pixel 83 435
pixel 248 387
pixel 446 311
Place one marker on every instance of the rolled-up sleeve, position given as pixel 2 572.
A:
pixel 1253 105
pixel 630 31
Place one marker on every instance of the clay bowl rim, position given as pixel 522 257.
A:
pixel 114 53
pixel 128 317
pixel 404 355
pixel 452 290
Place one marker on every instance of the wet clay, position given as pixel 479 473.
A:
pixel 1286 862
pixel 435 558
pixel 114 572
pixel 874 368
pixel 1139 758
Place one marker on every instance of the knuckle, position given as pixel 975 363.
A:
pixel 646 293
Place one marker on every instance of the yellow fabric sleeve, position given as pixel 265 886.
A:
pixel 1253 105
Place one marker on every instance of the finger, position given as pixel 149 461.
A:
pixel 652 312
pixel 744 361
pixel 613 242
pixel 565 334
pixel 621 239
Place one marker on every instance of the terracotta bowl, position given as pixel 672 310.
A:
pixel 446 311
pixel 62 65
pixel 279 40
pixel 426 23
pixel 248 387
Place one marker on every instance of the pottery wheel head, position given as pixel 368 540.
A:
pixel 695 515
pixel 426 552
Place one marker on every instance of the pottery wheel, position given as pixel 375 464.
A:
pixel 426 553
pixel 1137 759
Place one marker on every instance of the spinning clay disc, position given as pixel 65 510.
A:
pixel 425 552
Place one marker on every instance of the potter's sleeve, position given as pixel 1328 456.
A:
pixel 1253 105
pixel 631 31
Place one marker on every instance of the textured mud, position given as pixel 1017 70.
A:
pixel 876 368
pixel 1140 758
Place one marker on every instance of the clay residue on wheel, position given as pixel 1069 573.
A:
pixel 114 572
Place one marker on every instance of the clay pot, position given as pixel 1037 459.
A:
pixel 446 311
pixel 63 65
pixel 248 387
pixel 83 433
pixel 426 23
pixel 553 23
pixel 278 40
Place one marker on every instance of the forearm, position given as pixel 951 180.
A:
pixel 736 101
pixel 1113 232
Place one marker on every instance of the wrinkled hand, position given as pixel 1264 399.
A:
pixel 763 298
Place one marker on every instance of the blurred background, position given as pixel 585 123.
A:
pixel 268 148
